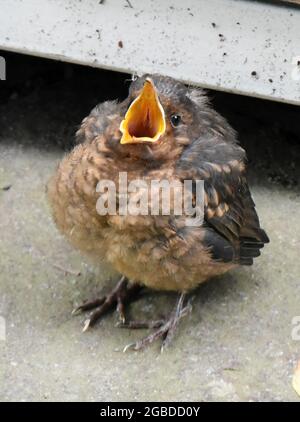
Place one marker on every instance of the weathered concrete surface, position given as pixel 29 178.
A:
pixel 236 344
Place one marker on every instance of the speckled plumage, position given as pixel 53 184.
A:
pixel 160 251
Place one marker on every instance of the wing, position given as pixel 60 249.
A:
pixel 233 231
pixel 232 228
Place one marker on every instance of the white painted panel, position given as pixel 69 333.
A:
pixel 212 43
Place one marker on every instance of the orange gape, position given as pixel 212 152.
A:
pixel 145 118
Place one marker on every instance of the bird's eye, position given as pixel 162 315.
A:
pixel 175 120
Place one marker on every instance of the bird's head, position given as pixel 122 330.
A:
pixel 161 114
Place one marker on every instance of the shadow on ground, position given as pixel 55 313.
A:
pixel 235 345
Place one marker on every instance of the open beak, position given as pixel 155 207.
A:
pixel 145 118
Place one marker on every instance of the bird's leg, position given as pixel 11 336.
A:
pixel 165 329
pixel 117 298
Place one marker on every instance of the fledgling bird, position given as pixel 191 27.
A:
pixel 164 130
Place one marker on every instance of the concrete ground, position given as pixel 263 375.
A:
pixel 235 345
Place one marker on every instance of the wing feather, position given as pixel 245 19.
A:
pixel 232 227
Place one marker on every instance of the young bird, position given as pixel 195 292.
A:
pixel 162 131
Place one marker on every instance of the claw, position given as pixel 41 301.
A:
pixel 164 330
pixel 122 320
pixel 76 311
pixel 119 296
pixel 115 299
pixel 129 346
pixel 86 325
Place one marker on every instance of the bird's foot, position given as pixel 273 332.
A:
pixel 117 299
pixel 165 329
